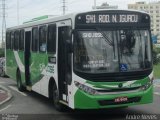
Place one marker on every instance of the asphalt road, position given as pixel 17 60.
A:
pixel 32 105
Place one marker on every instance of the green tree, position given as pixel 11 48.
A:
pixel 156 55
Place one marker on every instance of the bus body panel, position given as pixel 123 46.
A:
pixel 10 64
pixel 83 100
pixel 37 66
pixel 19 56
pixel 14 61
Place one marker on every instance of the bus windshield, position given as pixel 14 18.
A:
pixel 109 51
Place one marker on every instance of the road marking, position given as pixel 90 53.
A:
pixel 157 86
pixel 15 89
pixel 5 108
pixel 2 82
pixel 156 93
pixel 2 91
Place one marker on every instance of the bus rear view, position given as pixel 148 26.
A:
pixel 112 60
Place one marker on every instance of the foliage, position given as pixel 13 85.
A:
pixel 157 71
pixel 156 55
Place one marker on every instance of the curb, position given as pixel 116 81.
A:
pixel 9 95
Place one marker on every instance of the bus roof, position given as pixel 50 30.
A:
pixel 49 20
pixel 64 17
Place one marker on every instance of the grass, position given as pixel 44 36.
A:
pixel 157 71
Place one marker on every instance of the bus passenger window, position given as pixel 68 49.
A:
pixel 12 40
pixel 8 40
pixel 16 40
pixel 21 41
pixel 35 39
pixel 42 38
pixel 51 43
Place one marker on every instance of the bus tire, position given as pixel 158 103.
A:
pixel 58 106
pixel 3 73
pixel 19 82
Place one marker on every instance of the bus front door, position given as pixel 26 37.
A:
pixel 64 61
pixel 27 57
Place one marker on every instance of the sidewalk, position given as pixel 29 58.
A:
pixel 5 95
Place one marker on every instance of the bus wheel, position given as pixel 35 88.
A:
pixel 57 104
pixel 19 82
pixel 2 74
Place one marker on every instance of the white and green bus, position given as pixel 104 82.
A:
pixel 89 60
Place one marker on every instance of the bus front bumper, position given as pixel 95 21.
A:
pixel 83 100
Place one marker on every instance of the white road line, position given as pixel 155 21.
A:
pixel 5 108
pixel 156 93
pixel 15 89
pixel 157 86
pixel 2 91
pixel 2 82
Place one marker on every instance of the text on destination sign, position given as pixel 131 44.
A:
pixel 106 18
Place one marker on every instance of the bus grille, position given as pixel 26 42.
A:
pixel 112 102
pixel 119 90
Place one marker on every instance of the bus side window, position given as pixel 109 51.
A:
pixel 35 39
pixel 42 38
pixel 16 40
pixel 68 34
pixel 8 40
pixel 51 42
pixel 21 41
pixel 12 40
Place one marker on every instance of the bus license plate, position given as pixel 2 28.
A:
pixel 121 99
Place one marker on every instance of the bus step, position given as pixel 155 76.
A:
pixel 63 102
pixel 29 88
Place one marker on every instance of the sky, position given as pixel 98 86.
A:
pixel 29 9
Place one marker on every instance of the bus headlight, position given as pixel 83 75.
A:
pixel 85 88
pixel 151 77
pixel 145 87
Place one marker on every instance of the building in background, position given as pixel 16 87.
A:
pixel 154 10
pixel 105 6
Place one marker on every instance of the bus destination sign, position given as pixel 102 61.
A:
pixel 112 18
pixel 107 18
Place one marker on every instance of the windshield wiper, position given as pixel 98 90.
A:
pixel 105 36
pixel 108 40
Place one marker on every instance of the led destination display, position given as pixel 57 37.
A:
pixel 112 18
